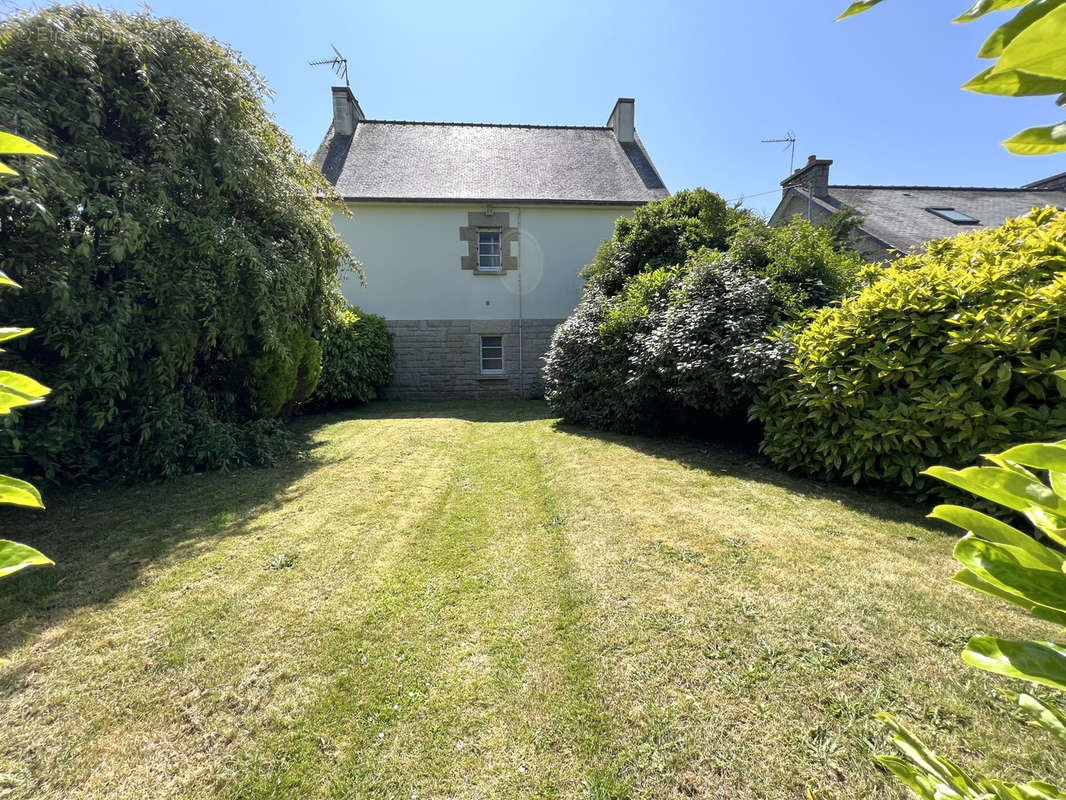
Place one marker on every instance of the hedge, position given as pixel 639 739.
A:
pixel 178 257
pixel 951 353
pixel 357 359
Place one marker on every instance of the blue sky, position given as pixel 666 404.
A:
pixel 877 93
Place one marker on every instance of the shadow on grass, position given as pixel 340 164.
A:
pixel 735 453
pixel 739 458
pixel 102 538
pixel 481 411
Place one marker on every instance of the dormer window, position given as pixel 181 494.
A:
pixel 953 215
pixel 489 254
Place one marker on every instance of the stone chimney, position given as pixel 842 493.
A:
pixel 622 119
pixel 346 111
pixel 814 177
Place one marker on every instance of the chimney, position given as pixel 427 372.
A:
pixel 346 111
pixel 814 177
pixel 622 119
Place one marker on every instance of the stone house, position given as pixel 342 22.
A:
pixel 472 236
pixel 897 219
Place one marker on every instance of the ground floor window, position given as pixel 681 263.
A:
pixel 492 355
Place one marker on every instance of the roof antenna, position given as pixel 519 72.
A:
pixel 339 64
pixel 790 139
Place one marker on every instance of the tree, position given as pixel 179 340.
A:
pixel 1030 60
pixel 178 258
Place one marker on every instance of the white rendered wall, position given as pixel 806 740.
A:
pixel 411 253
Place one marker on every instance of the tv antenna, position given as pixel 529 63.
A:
pixel 790 144
pixel 339 64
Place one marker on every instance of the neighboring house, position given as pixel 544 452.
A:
pixel 472 236
pixel 897 219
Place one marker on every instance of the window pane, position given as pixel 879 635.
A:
pixel 953 215
pixel 492 341
pixel 490 364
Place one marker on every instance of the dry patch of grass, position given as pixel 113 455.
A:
pixel 474 601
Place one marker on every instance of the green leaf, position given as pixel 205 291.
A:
pixel 1007 32
pixel 1013 83
pixel 916 752
pixel 19 493
pixel 857 8
pixel 1013 570
pixel 1040 49
pixel 6 281
pixel 1038 456
pixel 1040 141
pixel 966 578
pixel 1037 662
pixel 10 144
pixel 13 333
pixel 15 556
pixel 1002 486
pixel 1045 716
pixel 982 7
pixel 992 530
pixel 19 390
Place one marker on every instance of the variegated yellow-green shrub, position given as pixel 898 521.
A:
pixel 948 354
pixel 1008 564
pixel 17 390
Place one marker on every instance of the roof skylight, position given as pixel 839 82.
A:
pixel 953 215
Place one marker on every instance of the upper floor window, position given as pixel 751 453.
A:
pixel 489 254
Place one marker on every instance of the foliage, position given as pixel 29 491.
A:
pixel 684 340
pixel 661 234
pixel 356 359
pixel 950 352
pixel 1030 60
pixel 16 391
pixel 1003 562
pixel 178 238
pixel 278 380
pixel 843 227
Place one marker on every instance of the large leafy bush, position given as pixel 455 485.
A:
pixel 950 353
pixel 356 359
pixel 1008 564
pixel 678 338
pixel 179 245
pixel 661 234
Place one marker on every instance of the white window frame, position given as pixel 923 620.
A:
pixel 490 261
pixel 482 356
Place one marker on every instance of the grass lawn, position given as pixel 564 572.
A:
pixel 475 601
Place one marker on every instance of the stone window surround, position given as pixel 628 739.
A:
pixel 497 220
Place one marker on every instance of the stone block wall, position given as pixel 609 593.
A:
pixel 440 359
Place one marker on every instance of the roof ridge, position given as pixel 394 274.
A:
pixel 489 124
pixel 942 188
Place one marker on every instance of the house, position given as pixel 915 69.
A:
pixel 897 219
pixel 472 236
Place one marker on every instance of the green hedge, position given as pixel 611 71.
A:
pixel 951 353
pixel 177 239
pixel 356 359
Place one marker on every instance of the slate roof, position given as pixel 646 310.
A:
pixel 449 161
pixel 896 215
